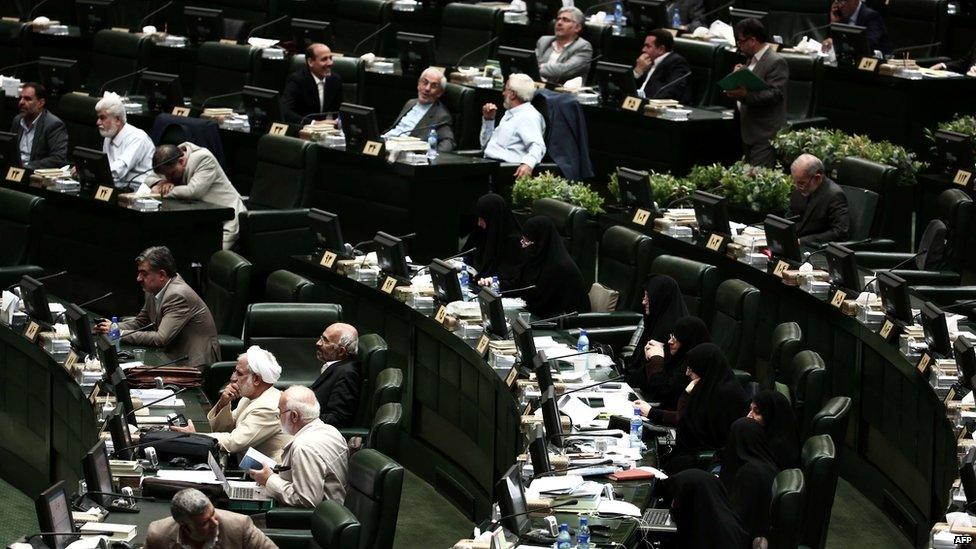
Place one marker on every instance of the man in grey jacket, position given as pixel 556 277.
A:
pixel 565 55
pixel 41 137
pixel 426 112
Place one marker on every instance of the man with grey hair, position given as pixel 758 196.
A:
pixel 128 148
pixel 818 203
pixel 518 139
pixel 565 55
pixel 317 456
pixel 196 524
pixel 337 387
pixel 175 318
pixel 254 423
pixel 425 113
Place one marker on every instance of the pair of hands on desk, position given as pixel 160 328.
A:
pixel 164 187
pixel 488 112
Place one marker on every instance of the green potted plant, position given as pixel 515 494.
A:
pixel 550 185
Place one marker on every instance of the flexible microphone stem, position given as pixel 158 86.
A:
pixel 486 44
pixel 39 279
pixel 567 503
pixel 308 116
pixel 671 83
pixel 811 30
pixel 529 287
pixel 203 106
pixel 144 20
pixel 596 7
pixel 265 25
pixel 604 382
pixel 557 472
pixel 907 49
pixel 101 90
pixel 30 14
pixel 183 390
pixel 96 300
pixel 369 37
pixel 552 318
pixel 900 264
pixel 139 329
pixel 17 66
pixel 718 9
pixel 143 444
pixel 118 495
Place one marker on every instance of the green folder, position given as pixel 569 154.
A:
pixel 742 78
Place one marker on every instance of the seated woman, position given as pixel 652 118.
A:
pixel 498 241
pixel 666 377
pixel 772 410
pixel 703 513
pixel 663 306
pixel 748 471
pixel 715 400
pixel 556 282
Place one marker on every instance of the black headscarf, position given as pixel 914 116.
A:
pixel 559 286
pixel 715 402
pixel 748 471
pixel 782 432
pixel 666 307
pixel 499 250
pixel 703 512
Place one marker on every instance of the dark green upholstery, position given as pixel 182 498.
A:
pixel 227 290
pixel 79 116
pixel 463 28
pixel 334 526
pixel 290 331
pixel 733 325
pixel 786 509
pixel 786 341
pixel 862 205
pixel 807 376
pixel 465 113
pixel 384 434
pixel 576 228
pixel 788 18
pixel 698 282
pixel 357 19
pixel 114 54
pixel 352 71
pixel 388 387
pixel 915 22
pixel 20 214
pixel 220 69
pixel 818 460
pixel 371 355
pixel 833 419
pixel 373 495
pixel 869 214
pixel 216 376
pixel 284 287
pixel 13 46
pixel 801 91
pixel 706 68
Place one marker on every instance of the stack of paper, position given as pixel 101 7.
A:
pixel 120 532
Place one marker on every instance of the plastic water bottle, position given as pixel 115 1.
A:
pixel 115 334
pixel 432 144
pixel 465 280
pixel 496 285
pixel 583 345
pixel 618 15
pixel 583 534
pixel 563 540
pixel 675 17
pixel 636 427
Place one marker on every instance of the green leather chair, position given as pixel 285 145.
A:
pixel 462 103
pixel 372 356
pixel 915 22
pixel 801 91
pixel 355 20
pixel 331 526
pixel 733 325
pixel 706 63
pixel 576 228
pixel 384 433
pixel 698 282
pixel 806 389
pixel 13 49
pixel 226 294
pixel 114 54
pixel 862 205
pixel 20 214
pixel 463 28
pixel 786 510
pixel 222 69
pixel 871 209
pixel 786 341
pixel 290 331
pixel 352 70
pixel 78 114
pixel 284 287
pixel 833 419
pixel 819 462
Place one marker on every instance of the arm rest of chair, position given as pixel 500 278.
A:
pixel 602 320
pixel 230 347
pixel 928 278
pixel 350 432
pixel 216 376
pixel 13 274
pixel 873 245
pixel 289 538
pixel 274 220
pixel 812 122
pixel 881 260
pixel 945 295
pixel 296 518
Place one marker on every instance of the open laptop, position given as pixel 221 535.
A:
pixel 657 520
pixel 237 489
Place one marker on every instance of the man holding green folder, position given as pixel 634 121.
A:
pixel 759 89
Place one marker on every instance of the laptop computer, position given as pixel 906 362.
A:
pixel 247 490
pixel 657 520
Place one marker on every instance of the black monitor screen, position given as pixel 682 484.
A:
pixel 850 43
pixel 203 24
pixel 543 371
pixel 550 416
pixel 108 356
pixel 936 332
pixel 842 265
pixel 616 83
pixel 542 12
pixel 635 189
pixel 262 108
pixel 511 501
pixel 711 213
pixel 98 474
pixel 122 397
pixel 59 76
pixel 647 15
pixel 359 126
pixel 965 355
pixel 390 256
pixel 54 515
pixel 34 296
pixel 967 477
pixel 9 152
pixel 306 32
pixel 416 52
pixel 447 287
pixel 518 61
pixel 781 238
pixel 524 342
pixel 894 297
pixel 80 328
pixel 328 233
pixel 121 439
pixel 94 15
pixel 954 151
pixel 492 313
pixel 93 169
pixel 163 91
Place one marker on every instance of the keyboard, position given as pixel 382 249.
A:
pixel 657 520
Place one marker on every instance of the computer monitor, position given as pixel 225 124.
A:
pixel 80 328
pixel 121 438
pixel 203 24
pixel 967 478
pixel 842 266
pixel 616 83
pixel 54 515
pixel 550 416
pixel 107 355
pixel 390 255
pixel 711 213
pixel 447 287
pixel 94 15
pixel 492 313
pixel 262 108
pixel 9 152
pixel 894 297
pixel 306 32
pixel 739 14
pixel 123 398
pixel 524 342
pixel 850 43
pixel 93 169
pixel 511 502
pixel 647 15
pixel 936 331
pixel 328 233
pixel 162 90
pixel 542 12
pixel 518 61
pixel 635 189
pixel 359 126
pixel 34 296
pixel 416 52
pixel 98 473
pixel 59 76
pixel 954 151
pixel 781 238
pixel 543 371
pixel 965 354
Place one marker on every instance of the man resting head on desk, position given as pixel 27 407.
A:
pixel 426 112
pixel 519 136
pixel 818 203
pixel 181 323
pixel 196 524
pixel 193 173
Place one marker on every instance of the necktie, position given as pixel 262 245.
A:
pixel 322 95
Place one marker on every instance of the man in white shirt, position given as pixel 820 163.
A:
pixel 128 148
pixel 317 456
pixel 519 136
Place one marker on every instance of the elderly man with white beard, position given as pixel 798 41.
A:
pixel 315 463
pixel 128 148
pixel 254 423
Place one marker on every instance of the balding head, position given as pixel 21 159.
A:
pixel 318 57
pixel 807 172
pixel 339 341
pixel 297 407
pixel 430 85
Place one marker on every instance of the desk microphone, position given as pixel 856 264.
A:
pixel 557 472
pixel 118 495
pixel 33 10
pixel 96 300
pixel 139 329
pixel 567 503
pixel 118 451
pixel 900 264
pixel 39 279
pixel 455 256
pixel 958 304
pixel 596 7
pixel 529 287
pixel 308 116
pixel 68 534
pixel 101 90
pixel 914 48
pixel 144 20
pixel 560 357
pixel 671 83
pixel 718 9
pixel 488 43
pixel 676 201
pixel 548 322
pixel 265 25
pixel 355 248
pixel 810 30
pixel 203 106
pixel 370 36
pixel 585 387
pixel 184 389
pixel 18 65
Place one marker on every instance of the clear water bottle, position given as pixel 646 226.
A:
pixel 636 427
pixel 583 345
pixel 583 534
pixel 496 285
pixel 675 17
pixel 618 15
pixel 465 280
pixel 563 541
pixel 432 144
pixel 114 334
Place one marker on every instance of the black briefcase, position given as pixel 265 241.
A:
pixel 192 446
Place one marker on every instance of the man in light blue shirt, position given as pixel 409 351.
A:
pixel 128 148
pixel 425 113
pixel 519 136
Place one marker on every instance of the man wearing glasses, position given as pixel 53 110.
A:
pixel 337 387
pixel 818 203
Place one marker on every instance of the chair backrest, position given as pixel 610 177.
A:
pixel 19 212
pixel 807 374
pixel 786 509
pixel 734 322
pixel 114 54
pixel 283 174
pixel 372 358
pixel 862 205
pixel 384 432
pixel 78 114
pixel 373 495
pixel 698 282
pixel 352 71
pixel 465 114
pixel 819 462
pixel 791 19
pixel 800 90
pixel 290 331
pixel 388 387
pixel 334 526
pixel 956 210
pixel 222 69
pixel 227 291
pixel 13 43
pixel 572 222
pixel 915 22
pixel 284 287
pixel 355 20
pixel 464 27
pixel 833 419
pixel 706 66
pixel 625 256
pixel 786 341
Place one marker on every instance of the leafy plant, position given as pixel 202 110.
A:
pixel 965 125
pixel 762 190
pixel 528 189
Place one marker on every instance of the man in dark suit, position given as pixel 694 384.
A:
pixel 855 12
pixel 762 112
pixel 818 203
pixel 41 137
pixel 337 388
pixel 314 89
pixel 660 73
pixel 426 112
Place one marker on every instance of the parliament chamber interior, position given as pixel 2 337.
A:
pixel 408 273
